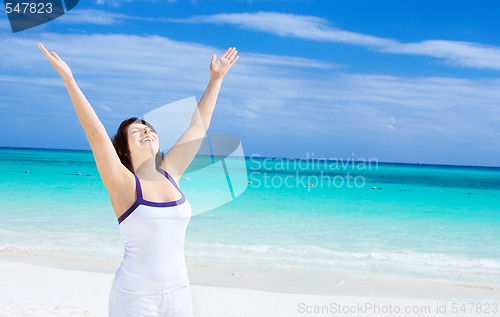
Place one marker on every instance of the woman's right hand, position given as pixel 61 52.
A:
pixel 61 67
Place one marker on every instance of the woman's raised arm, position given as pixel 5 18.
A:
pixel 178 158
pixel 87 116
pixel 113 172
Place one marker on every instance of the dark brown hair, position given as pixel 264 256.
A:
pixel 120 142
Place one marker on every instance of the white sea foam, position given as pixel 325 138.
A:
pixel 402 263
pixel 78 245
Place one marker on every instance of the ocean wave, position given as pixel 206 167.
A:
pixel 375 262
pixel 400 263
pixel 65 244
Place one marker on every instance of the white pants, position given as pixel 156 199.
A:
pixel 177 303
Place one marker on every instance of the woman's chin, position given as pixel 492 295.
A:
pixel 147 148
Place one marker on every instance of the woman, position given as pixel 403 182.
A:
pixel 152 211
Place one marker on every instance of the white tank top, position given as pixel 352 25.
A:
pixel 153 234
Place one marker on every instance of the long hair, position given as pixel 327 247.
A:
pixel 120 142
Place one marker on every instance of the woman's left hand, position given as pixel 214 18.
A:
pixel 220 67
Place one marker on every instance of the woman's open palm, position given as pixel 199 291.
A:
pixel 61 67
pixel 220 67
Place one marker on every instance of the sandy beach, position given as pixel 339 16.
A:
pixel 32 286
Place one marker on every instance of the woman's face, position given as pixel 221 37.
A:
pixel 142 138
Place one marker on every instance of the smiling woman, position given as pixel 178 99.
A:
pixel 152 279
pixel 128 130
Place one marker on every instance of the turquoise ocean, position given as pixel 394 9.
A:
pixel 417 221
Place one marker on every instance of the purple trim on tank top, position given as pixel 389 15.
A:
pixel 142 201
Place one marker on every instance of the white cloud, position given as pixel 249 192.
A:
pixel 41 81
pixel 117 3
pixel 282 97
pixel 92 16
pixel 457 53
pixel 125 71
pixel 463 54
pixel 276 61
pixel 283 24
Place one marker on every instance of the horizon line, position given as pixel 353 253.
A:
pixel 277 157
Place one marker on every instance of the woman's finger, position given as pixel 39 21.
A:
pixel 42 48
pixel 233 54
pixel 51 56
pixel 226 53
pixel 55 55
pixel 45 52
pixel 234 60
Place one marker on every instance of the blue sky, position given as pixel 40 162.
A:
pixel 398 81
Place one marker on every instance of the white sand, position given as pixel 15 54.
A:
pixel 37 290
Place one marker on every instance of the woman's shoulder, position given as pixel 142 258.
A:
pixel 123 196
